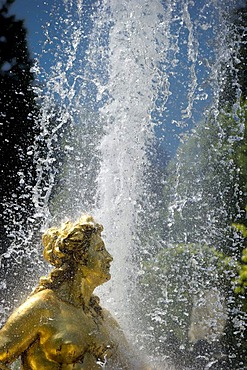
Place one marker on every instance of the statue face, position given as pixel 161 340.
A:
pixel 98 261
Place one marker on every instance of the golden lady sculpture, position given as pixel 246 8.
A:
pixel 62 325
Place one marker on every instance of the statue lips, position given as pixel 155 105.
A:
pixel 108 267
pixel 107 270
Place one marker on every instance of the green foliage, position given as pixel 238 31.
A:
pixel 179 275
pixel 240 158
pixel 208 180
pixel 204 194
pixel 241 281
pixel 234 69
pixel 201 194
pixel 240 21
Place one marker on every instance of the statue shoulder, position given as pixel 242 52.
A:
pixel 24 325
pixel 40 303
pixel 109 318
pixel 46 295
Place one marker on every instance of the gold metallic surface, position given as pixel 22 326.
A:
pixel 62 326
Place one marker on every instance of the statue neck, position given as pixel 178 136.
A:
pixel 77 291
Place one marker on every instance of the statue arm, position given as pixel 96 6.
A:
pixel 20 330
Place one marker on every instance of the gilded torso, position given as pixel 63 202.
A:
pixel 69 337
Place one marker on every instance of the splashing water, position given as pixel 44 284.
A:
pixel 132 87
pixel 127 81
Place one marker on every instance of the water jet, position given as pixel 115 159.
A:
pixel 132 87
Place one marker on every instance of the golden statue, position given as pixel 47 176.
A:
pixel 62 325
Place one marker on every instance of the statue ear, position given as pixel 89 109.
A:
pixel 80 257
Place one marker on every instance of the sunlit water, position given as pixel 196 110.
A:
pixel 126 82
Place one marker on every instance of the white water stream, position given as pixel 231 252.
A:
pixel 124 76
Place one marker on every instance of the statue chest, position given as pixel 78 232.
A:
pixel 69 334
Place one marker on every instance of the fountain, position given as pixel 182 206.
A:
pixel 133 128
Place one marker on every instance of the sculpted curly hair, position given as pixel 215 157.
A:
pixel 64 247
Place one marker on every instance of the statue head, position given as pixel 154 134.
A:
pixel 74 245
pixel 69 243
